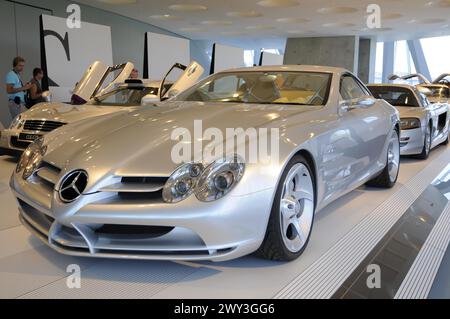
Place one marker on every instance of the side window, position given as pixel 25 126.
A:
pixel 225 85
pixel 350 88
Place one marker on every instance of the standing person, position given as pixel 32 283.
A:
pixel 15 88
pixel 35 93
pixel 134 74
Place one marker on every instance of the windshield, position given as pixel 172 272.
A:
pixel 397 96
pixel 298 88
pixel 125 96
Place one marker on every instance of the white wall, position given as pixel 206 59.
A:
pixel 164 51
pixel 271 59
pixel 67 63
pixel 227 57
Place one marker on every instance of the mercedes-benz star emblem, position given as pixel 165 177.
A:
pixel 73 185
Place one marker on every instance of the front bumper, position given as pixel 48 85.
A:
pixel 411 141
pixel 229 228
pixel 11 144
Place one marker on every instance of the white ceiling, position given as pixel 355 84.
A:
pixel 251 21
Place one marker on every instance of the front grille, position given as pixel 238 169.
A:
pixel 135 230
pixel 157 183
pixel 148 189
pixel 144 180
pixel 19 144
pixel 42 125
pixel 48 174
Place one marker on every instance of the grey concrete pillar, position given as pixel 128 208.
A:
pixel 388 60
pixel 366 60
pixel 327 51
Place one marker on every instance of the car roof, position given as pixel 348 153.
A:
pixel 287 68
pixel 434 85
pixel 405 86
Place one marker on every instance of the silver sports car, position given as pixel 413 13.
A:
pixel 424 125
pixel 128 185
pixel 437 91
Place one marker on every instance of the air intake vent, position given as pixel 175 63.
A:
pixel 42 126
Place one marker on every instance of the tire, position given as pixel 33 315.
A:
pixel 277 244
pixel 388 177
pixel 446 141
pixel 426 147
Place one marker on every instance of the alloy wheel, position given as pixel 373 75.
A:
pixel 297 207
pixel 393 157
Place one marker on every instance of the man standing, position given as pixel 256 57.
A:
pixel 15 88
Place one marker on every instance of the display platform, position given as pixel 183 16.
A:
pixel 401 234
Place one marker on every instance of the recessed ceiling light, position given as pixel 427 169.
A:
pixel 361 30
pixel 382 29
pixel 338 24
pixel 217 22
pixel 233 33
pixel 191 29
pixel 441 3
pixel 244 14
pixel 118 1
pixel 296 32
pixel 278 3
pixel 167 17
pixel 338 10
pixel 427 21
pixel 293 20
pixel 260 27
pixel 392 16
pixel 188 7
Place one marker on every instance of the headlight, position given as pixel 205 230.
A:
pixel 16 123
pixel 219 178
pixel 31 158
pixel 409 123
pixel 182 182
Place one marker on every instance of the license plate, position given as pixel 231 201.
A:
pixel 28 137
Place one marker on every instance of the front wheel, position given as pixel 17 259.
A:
pixel 446 141
pixel 426 145
pixel 388 177
pixel 291 219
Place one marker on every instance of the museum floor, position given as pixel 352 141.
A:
pixel 404 231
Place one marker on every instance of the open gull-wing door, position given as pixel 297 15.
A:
pixel 441 79
pixel 190 76
pixel 421 77
pixel 94 80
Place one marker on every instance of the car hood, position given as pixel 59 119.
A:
pixel 410 111
pixel 140 142
pixel 68 113
pixel 438 100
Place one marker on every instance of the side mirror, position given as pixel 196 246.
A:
pixel 345 106
pixel 364 101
